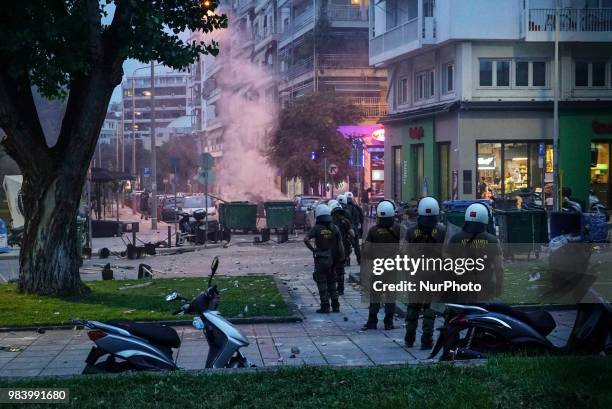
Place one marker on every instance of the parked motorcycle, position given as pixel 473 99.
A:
pixel 474 331
pixel 191 227
pixel 132 346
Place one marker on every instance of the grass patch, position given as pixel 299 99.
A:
pixel 247 296
pixel 507 382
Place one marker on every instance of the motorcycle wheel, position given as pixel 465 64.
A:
pixel 107 366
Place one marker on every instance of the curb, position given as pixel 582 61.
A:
pixel 400 308
pixel 178 323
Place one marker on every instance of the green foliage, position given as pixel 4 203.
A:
pixel 539 383
pixel 310 125
pixel 186 149
pixel 107 302
pixel 53 42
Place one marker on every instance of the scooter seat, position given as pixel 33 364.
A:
pixel 156 333
pixel 540 320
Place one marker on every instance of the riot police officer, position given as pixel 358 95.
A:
pixel 474 241
pixel 425 238
pixel 343 224
pixel 386 230
pixel 355 213
pixel 327 251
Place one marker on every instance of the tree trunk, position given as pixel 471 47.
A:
pixel 49 258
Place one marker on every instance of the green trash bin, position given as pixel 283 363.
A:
pixel 238 216
pixel 457 218
pixel 280 214
pixel 522 231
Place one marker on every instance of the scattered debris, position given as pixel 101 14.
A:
pixel 11 348
pixel 295 350
pixel 129 287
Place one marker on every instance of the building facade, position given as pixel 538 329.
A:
pixel 471 91
pixel 278 50
pixel 170 104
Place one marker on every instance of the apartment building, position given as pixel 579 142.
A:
pixel 298 47
pixel 471 91
pixel 170 105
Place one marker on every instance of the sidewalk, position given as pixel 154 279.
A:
pixel 331 339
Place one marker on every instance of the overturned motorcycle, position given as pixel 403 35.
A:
pixel 131 346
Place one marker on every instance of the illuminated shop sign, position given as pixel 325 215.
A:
pixel 416 132
pixel 599 127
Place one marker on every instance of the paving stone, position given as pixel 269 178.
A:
pixel 62 371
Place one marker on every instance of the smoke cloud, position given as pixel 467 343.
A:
pixel 248 117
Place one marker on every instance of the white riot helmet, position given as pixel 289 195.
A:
pixel 428 206
pixel 385 209
pixel 349 197
pixel 477 217
pixel 333 204
pixel 342 200
pixel 428 211
pixel 323 213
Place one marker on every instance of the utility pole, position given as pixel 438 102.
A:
pixel 122 133
pixel 556 198
pixel 153 152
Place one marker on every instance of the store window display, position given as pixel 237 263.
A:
pixel 504 168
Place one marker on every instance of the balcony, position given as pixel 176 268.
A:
pixel 298 68
pixel 346 12
pixel 592 24
pixel 340 61
pixel 395 42
pixel 298 23
pixel 371 107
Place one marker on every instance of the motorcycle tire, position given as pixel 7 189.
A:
pixel 107 367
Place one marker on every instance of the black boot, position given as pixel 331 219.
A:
pixel 324 309
pixel 409 340
pixel 426 343
pixel 389 323
pixel 335 306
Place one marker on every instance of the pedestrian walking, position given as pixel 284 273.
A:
pixel 144 205
pixel 356 215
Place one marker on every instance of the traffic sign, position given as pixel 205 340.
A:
pixel 147 172
pixel 333 169
pixel 206 161
pixel 205 176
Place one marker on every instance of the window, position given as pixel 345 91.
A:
pixel 599 74
pixel 503 73
pixel 402 91
pixel 590 73
pixel 424 85
pixel 539 73
pixel 418 169
pixel 449 78
pixel 495 73
pixel 444 170
pixel 530 74
pixel 486 73
pixel 522 74
pixel 582 74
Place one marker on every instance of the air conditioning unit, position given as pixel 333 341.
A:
pixel 429 30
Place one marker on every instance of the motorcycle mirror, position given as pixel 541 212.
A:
pixel 172 296
pixel 213 269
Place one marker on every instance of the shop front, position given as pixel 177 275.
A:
pixel 418 151
pixel 585 154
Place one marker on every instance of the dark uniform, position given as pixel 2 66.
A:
pixel 355 213
pixel 468 244
pixel 382 234
pixel 429 237
pixel 327 252
pixel 346 231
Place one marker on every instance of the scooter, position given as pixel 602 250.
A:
pixel 132 346
pixel 474 331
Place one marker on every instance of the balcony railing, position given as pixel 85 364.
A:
pixel 346 12
pixel 396 37
pixel 371 107
pixel 331 61
pixel 299 22
pixel 298 68
pixel 571 20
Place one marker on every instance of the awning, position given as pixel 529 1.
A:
pixel 419 113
